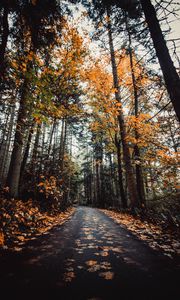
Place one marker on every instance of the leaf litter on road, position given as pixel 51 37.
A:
pixel 152 234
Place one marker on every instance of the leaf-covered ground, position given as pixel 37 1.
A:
pixel 157 238
pixel 22 221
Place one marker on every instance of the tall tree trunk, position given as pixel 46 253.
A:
pixel 26 152
pixel 98 189
pixel 4 39
pixel 102 187
pixel 51 137
pixel 69 176
pixel 61 144
pixel 4 130
pixel 170 74
pixel 16 157
pixel 139 177
pixel 36 145
pixel 111 185
pixel 126 153
pixel 94 191
pixel 120 174
pixel 42 161
pixel 4 156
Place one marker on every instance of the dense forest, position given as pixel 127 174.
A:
pixel 89 110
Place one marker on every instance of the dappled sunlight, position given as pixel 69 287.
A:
pixel 66 261
pixel 107 275
pixel 89 149
pixel 97 250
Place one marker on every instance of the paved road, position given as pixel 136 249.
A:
pixel 89 257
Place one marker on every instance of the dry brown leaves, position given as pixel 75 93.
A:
pixel 91 263
pixel 1 238
pixel 154 235
pixel 21 221
pixel 107 275
pixel 69 276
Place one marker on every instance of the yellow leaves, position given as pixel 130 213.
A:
pixel 105 108
pixel 125 73
pixel 49 186
pixel 37 120
pixel 168 157
pixel 107 19
pixel 14 64
pixel 47 71
pixel 26 221
pixel 20 65
pixel 21 238
pixel 1 238
pixel 118 104
pixel 71 51
pixel 146 131
pixel 41 184
pixel 96 126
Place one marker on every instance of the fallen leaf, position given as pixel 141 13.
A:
pixel 69 276
pixel 90 263
pixel 107 275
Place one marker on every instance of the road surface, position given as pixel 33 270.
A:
pixel 89 257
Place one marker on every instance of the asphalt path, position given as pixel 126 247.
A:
pixel 88 257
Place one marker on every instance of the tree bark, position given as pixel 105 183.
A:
pixel 26 152
pixel 4 156
pixel 126 153
pixel 51 137
pixel 16 157
pixel 4 39
pixel 61 144
pixel 120 175
pixel 36 145
pixel 170 74
pixel 139 177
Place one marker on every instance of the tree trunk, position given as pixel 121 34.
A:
pixel 139 177
pixel 63 145
pixel 26 152
pixel 102 187
pixel 16 157
pixel 170 74
pixel 4 39
pixel 98 191
pixel 51 137
pixel 5 153
pixel 61 154
pixel 126 153
pixel 4 131
pixel 111 185
pixel 120 175
pixel 35 149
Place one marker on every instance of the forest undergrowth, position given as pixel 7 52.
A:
pixel 21 221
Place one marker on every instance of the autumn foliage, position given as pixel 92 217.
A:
pixel 85 115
